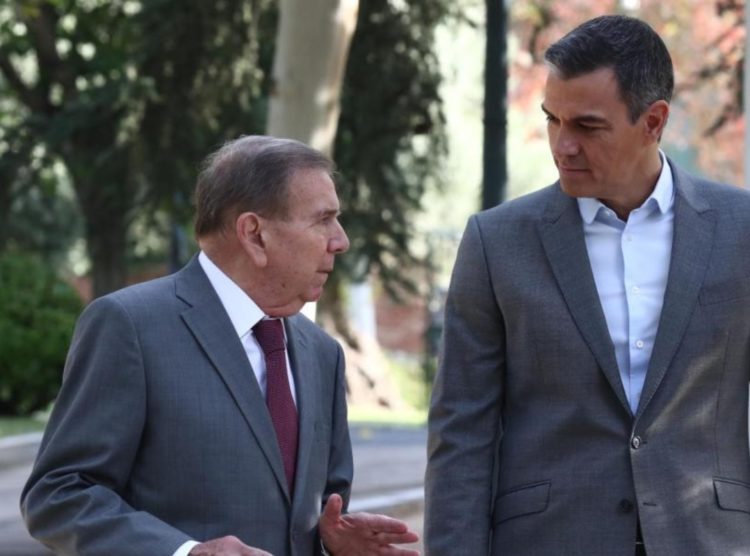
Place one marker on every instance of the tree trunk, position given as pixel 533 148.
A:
pixel 6 184
pixel 10 166
pixel 312 45
pixel 106 239
pixel 332 311
pixel 106 194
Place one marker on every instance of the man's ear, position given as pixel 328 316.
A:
pixel 249 228
pixel 655 119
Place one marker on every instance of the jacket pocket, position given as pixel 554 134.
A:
pixel 732 495
pixel 523 500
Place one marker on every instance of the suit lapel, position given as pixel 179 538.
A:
pixel 694 225
pixel 304 365
pixel 561 232
pixel 212 329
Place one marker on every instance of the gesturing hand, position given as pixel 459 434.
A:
pixel 226 546
pixel 363 534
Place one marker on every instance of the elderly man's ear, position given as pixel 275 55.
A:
pixel 250 231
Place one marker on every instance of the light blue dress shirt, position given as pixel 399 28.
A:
pixel 630 262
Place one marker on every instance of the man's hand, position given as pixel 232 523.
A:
pixel 226 546
pixel 363 534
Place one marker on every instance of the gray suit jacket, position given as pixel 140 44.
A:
pixel 160 432
pixel 533 450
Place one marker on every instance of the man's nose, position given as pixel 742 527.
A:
pixel 339 243
pixel 564 144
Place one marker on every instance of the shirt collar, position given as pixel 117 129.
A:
pixel 243 311
pixel 662 195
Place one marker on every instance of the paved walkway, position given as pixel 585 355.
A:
pixel 16 455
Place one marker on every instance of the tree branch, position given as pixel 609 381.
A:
pixel 42 26
pixel 31 98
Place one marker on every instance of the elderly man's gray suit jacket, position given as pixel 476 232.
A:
pixel 533 450
pixel 161 434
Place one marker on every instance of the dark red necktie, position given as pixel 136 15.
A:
pixel 270 336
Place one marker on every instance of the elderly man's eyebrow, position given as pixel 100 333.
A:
pixel 324 213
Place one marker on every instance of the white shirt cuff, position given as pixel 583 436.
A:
pixel 185 549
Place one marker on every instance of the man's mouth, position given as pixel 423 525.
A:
pixel 571 169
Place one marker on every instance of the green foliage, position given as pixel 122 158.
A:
pixel 129 96
pixel 210 69
pixel 391 137
pixel 37 316
pixel 37 211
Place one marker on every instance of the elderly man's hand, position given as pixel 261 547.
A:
pixel 363 534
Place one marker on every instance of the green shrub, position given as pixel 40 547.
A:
pixel 37 315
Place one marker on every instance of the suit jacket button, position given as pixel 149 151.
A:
pixel 625 506
pixel 636 442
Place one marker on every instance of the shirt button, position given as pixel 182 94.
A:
pixel 635 289
pixel 625 506
pixel 636 442
pixel 639 344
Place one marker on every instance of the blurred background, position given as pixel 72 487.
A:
pixel 430 109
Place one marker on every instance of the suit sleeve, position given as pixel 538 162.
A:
pixel 74 501
pixel 340 463
pixel 340 466
pixel 464 418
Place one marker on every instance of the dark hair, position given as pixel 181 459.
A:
pixel 250 174
pixel 632 49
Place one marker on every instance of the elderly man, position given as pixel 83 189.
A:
pixel 200 413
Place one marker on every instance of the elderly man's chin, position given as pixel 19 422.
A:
pixel 314 294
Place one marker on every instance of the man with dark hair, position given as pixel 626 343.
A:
pixel 200 413
pixel 592 395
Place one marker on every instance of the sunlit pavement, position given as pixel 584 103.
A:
pixel 389 468
pixel 14 540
